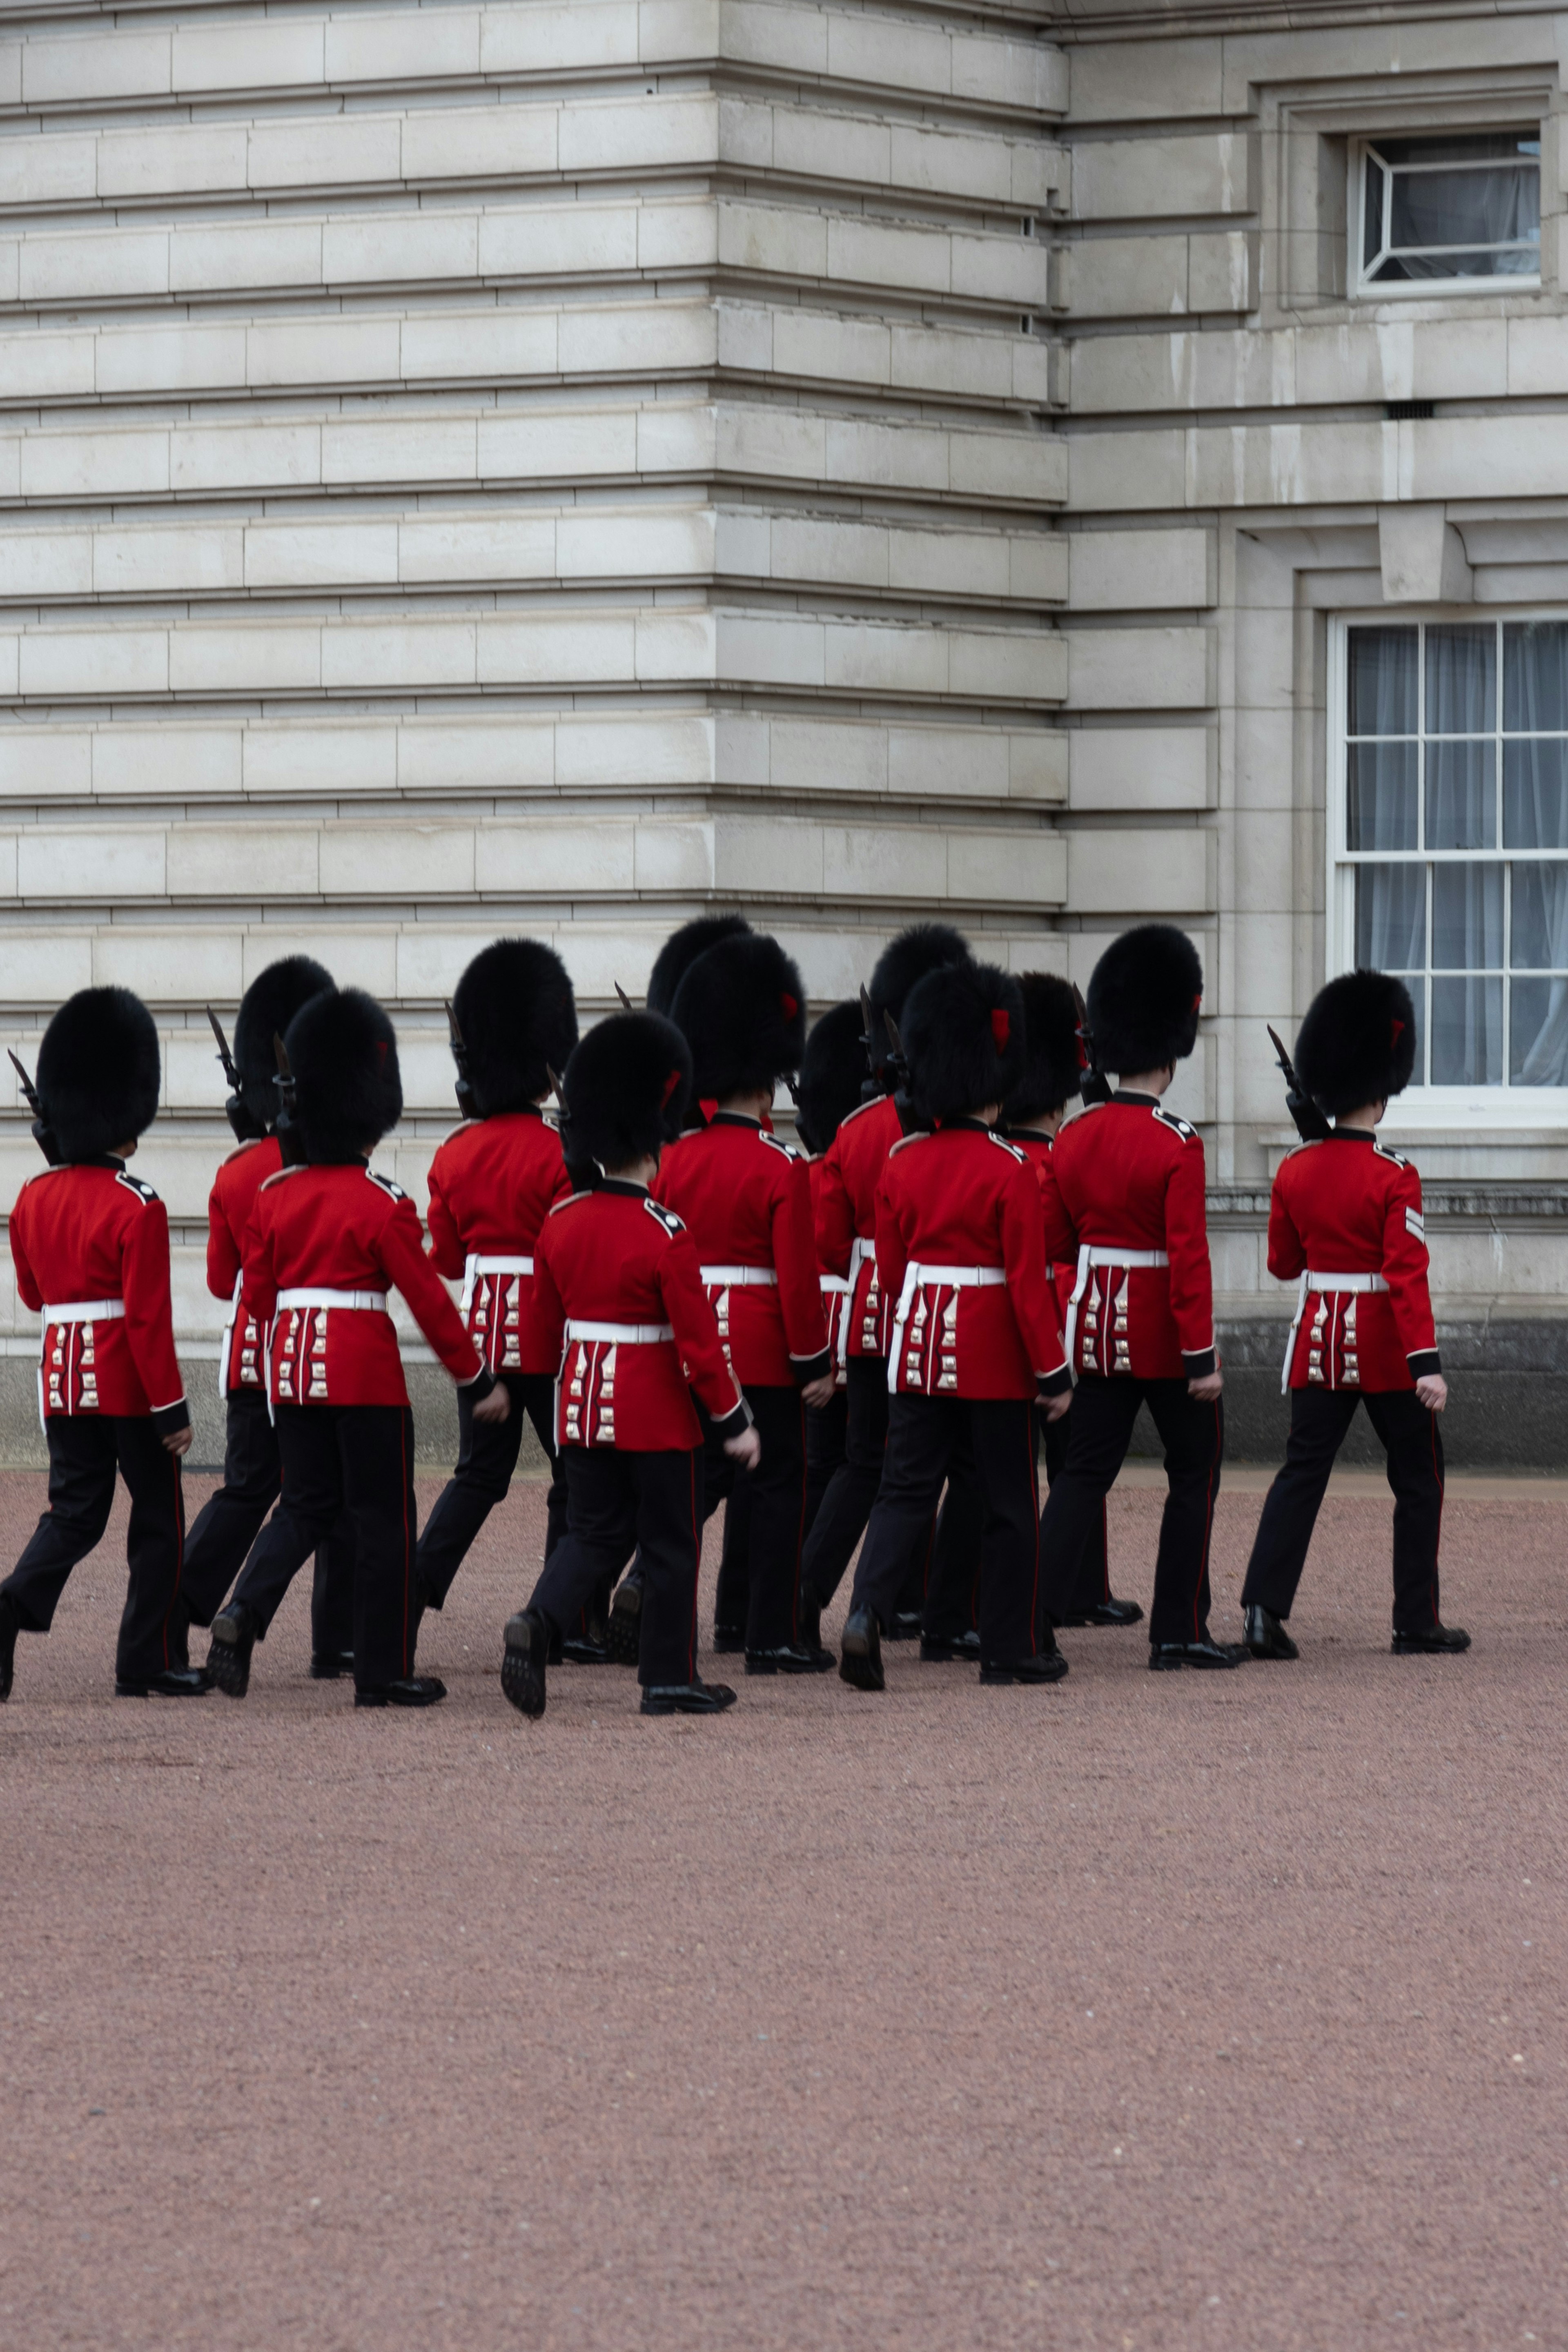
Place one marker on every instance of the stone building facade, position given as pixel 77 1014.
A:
pixel 559 467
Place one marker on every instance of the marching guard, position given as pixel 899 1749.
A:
pixel 1123 1193
pixel 226 1524
pixel 975 1338
pixel 327 1241
pixel 1345 1221
pixel 618 1288
pixel 90 1246
pixel 832 1071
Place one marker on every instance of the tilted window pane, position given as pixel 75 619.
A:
pixel 1466 1033
pixel 1390 917
pixel 1466 917
pixel 1382 804
pixel 1372 214
pixel 1539 939
pixel 1382 668
pixel 1535 677
pixel 1449 208
pixel 1461 796
pixel 1535 794
pixel 1538 1033
pixel 1448 147
pixel 1494 261
pixel 1461 679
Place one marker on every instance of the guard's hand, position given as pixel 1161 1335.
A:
pixel 496 1407
pixel 1054 1407
pixel 1433 1390
pixel 816 1394
pixel 1208 1390
pixel 179 1440
pixel 746 1449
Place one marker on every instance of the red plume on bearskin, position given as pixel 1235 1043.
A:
pixel 962 1056
pixel 1357 1043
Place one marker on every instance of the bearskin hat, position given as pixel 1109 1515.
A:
pixel 832 1075
pixel 623 1092
pixel 98 1072
pixel 924 947
pixel 348 1090
pixel 1143 1000
pixel 266 1009
pixel 1052 1072
pixel 1357 1043
pixel 963 1039
pixel 680 951
pixel 741 1009
pixel 517 1015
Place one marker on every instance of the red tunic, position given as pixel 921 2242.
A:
pixel 952 1206
pixel 745 1199
pixel 835 1287
pixel 96 1235
pixel 241 1358
pixel 852 1169
pixel 1346 1206
pixel 1126 1178
pixel 493 1184
pixel 616 1286
pixel 317 1231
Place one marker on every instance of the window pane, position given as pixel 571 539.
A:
pixel 1372 214
pixel 1461 796
pixel 1461 684
pixel 1534 677
pixel 1390 917
pixel 1382 681
pixel 1535 794
pixel 1538 1033
pixel 1448 147
pixel 1466 1033
pixel 1381 800
pixel 1539 941
pixel 1466 917
pixel 1499 261
pixel 1502 206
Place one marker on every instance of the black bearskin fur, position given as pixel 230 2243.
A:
pixel 624 1092
pixel 832 1075
pixel 266 1009
pixel 1052 1073
pixel 1143 1000
pixel 1357 1043
pixel 98 1072
pixel 963 1039
pixel 516 1012
pixel 680 951
pixel 741 1009
pixel 924 947
pixel 348 1090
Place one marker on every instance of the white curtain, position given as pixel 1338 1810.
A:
pixel 1535 816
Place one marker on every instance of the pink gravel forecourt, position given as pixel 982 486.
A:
pixel 1220 2010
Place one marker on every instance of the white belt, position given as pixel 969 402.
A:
pixel 85 1310
pixel 620 1335
pixel 1328 1282
pixel 934 1277
pixel 474 1266
pixel 365 1302
pixel 1090 1256
pixel 836 1285
pixel 861 1249
pixel 737 1278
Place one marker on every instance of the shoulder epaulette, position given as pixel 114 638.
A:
pixel 1397 1159
pixel 921 1135
pixel 136 1184
pixel 297 1168
pixel 859 1111
pixel 240 1150
pixel 665 1217
pixel 393 1191
pixel 777 1143
pixel 572 1201
pixel 1178 1125
pixel 551 1119
pixel 1010 1149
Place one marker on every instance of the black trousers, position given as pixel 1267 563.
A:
pixel 826 1428
pixel 616 1501
pixel 760 1573
pixel 841 1517
pixel 84 1451
pixel 486 1457
pixel 225 1526
pixel 1099 1430
pixel 353 1462
pixel 1409 1435
pixel 923 1434
pixel 952 1588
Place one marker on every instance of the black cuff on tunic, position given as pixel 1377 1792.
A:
pixel 1054 1384
pixel 734 1425
pixel 807 1368
pixel 1199 1362
pixel 1422 1362
pixel 481 1386
pixel 171 1418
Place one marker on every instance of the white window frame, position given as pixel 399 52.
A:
pixel 1385 290
pixel 1507 1108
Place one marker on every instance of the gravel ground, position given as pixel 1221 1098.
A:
pixel 1222 2011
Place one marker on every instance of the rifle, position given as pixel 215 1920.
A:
pixel 1310 1124
pixel 43 1134
pixel 285 1127
pixel 892 1071
pixel 1095 1086
pixel 246 1126
pixel 464 1085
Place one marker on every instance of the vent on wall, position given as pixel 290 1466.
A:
pixel 1408 412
